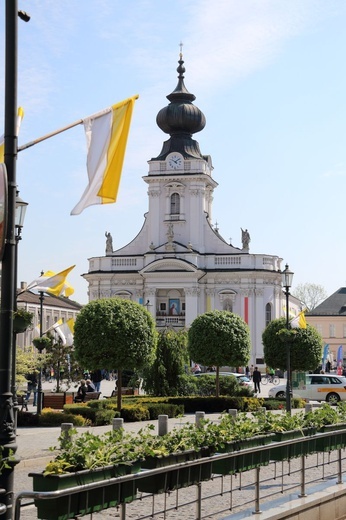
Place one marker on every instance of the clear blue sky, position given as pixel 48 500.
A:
pixel 270 78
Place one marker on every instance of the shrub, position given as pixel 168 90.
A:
pixel 105 417
pixel 81 409
pixel 135 413
pixel 27 419
pixel 51 417
pixel 156 409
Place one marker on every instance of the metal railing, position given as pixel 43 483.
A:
pixel 221 494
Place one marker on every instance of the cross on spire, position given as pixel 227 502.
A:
pixel 181 49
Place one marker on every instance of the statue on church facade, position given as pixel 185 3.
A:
pixel 109 243
pixel 245 238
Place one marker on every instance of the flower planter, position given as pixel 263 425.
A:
pixel 84 502
pixel 182 477
pixel 243 461
pixel 334 442
pixel 20 324
pixel 292 451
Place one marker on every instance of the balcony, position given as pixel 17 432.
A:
pixel 170 321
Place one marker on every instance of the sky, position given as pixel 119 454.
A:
pixel 269 77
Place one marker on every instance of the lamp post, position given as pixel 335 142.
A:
pixel 287 278
pixel 39 386
pixel 19 222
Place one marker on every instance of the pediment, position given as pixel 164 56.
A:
pixel 169 264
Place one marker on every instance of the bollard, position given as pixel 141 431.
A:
pixel 118 423
pixel 233 412
pixel 162 425
pixel 65 433
pixel 262 409
pixel 308 407
pixel 199 417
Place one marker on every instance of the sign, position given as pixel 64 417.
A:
pixel 3 208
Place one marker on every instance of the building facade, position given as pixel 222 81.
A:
pixel 54 308
pixel 329 318
pixel 178 265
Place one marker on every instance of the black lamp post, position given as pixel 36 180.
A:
pixel 19 222
pixel 287 278
pixel 40 349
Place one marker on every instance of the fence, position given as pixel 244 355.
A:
pixel 219 495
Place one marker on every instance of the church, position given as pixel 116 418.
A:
pixel 178 265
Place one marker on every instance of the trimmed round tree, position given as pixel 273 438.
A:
pixel 219 338
pixel 114 333
pixel 305 346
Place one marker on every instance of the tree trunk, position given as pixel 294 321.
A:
pixel 217 392
pixel 119 386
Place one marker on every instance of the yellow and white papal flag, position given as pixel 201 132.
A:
pixel 53 283
pixel 2 141
pixel 65 331
pixel 298 322
pixel 106 134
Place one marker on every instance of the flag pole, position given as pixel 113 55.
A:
pixel 51 134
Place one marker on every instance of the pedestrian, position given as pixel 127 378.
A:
pixel 96 378
pixel 90 386
pixel 256 377
pixel 31 387
pixel 82 390
pixel 251 371
pixel 247 371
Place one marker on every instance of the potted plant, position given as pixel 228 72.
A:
pixel 22 320
pixel 42 343
pixel 82 460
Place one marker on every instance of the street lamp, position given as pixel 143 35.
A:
pixel 19 222
pixel 287 278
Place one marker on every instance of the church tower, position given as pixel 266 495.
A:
pixel 179 266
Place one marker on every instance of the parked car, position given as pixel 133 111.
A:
pixel 318 387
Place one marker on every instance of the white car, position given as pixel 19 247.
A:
pixel 318 387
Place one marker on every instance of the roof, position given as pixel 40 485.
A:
pixel 49 300
pixel 334 305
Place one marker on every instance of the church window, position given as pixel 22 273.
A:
pixel 175 204
pixel 268 314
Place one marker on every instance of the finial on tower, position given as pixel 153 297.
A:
pixel 181 49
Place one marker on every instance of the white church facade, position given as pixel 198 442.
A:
pixel 179 266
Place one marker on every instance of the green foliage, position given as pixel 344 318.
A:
pixel 306 347
pixel 81 409
pixel 135 413
pixel 228 386
pixel 219 338
pixel 156 409
pixel 25 364
pixel 51 417
pixel 162 377
pixel 187 385
pixel 26 419
pixel 116 333
pixel 105 417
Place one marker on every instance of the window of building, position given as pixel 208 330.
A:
pixel 268 314
pixel 162 307
pixel 331 330
pixel 175 204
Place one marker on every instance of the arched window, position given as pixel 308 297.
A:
pixel 268 313
pixel 175 204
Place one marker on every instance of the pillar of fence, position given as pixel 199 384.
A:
pixel 118 423
pixel 199 417
pixel 65 433
pixel 162 425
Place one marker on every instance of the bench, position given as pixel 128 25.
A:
pixel 89 396
pixel 56 400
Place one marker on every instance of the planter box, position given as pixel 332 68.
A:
pixel 335 442
pixel 176 479
pixel 292 451
pixel 56 400
pixel 243 461
pixel 84 502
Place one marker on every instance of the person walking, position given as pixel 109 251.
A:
pixel 96 378
pixel 256 378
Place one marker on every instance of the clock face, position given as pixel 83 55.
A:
pixel 175 162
